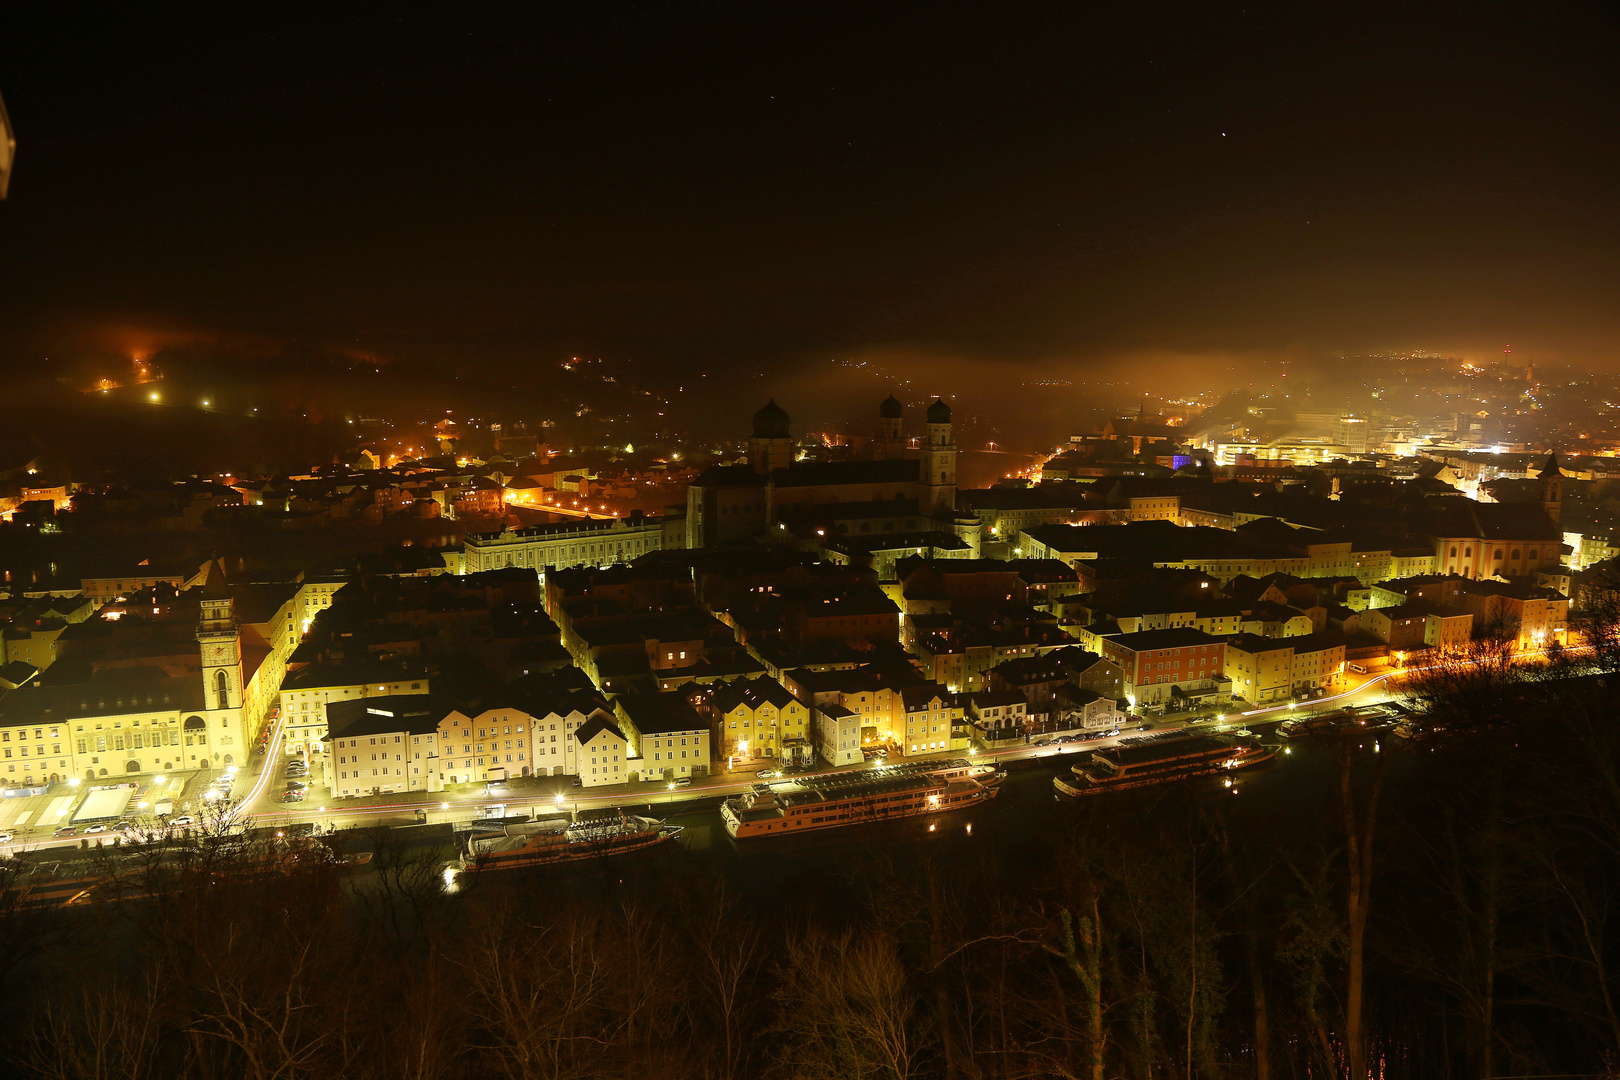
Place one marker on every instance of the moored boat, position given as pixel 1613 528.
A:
pixel 1162 761
pixel 562 838
pixel 855 798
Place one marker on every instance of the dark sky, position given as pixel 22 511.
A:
pixel 758 186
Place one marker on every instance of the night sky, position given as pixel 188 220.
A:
pixel 756 187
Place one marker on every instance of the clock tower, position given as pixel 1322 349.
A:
pixel 219 638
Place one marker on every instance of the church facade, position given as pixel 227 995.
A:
pixel 897 490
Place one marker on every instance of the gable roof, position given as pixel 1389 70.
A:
pixel 597 724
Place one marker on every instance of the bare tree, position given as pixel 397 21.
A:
pixel 845 1010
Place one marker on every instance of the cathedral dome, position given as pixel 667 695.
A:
pixel 939 412
pixel 771 422
pixel 890 409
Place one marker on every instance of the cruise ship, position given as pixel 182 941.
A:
pixel 562 838
pixel 857 798
pixel 1145 762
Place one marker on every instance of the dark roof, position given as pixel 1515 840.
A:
pixel 771 422
pixel 1174 638
pixel 815 473
pixel 215 588
pixel 109 692
pixel 18 672
pixel 891 409
pixel 657 713
pixel 914 696
pixel 750 692
pixel 1254 643
pixel 350 673
pixel 939 412
pixel 418 714
pixel 593 727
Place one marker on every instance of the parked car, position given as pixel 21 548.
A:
pixel 183 819
pixel 767 774
pixel 297 785
pixel 65 830
pixel 684 781
pixel 6 838
pixel 98 827
pixel 123 826
pixel 293 795
pixel 295 768
pixel 576 782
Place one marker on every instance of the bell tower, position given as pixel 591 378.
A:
pixel 890 444
pixel 1552 488
pixel 219 638
pixel 939 462
pixel 771 446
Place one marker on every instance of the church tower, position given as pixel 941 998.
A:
pixel 890 444
pixel 219 638
pixel 771 446
pixel 1552 488
pixel 939 462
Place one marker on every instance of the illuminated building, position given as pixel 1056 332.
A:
pixel 898 491
pixel 602 751
pixel 658 727
pixel 581 542
pixel 1162 665
pixel 759 718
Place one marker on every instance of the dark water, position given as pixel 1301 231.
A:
pixel 1017 831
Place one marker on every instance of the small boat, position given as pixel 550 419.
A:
pixel 561 838
pixel 1301 726
pixel 1151 762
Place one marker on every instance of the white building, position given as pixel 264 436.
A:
pixel 838 734
pixel 604 755
pixel 383 745
pixel 579 542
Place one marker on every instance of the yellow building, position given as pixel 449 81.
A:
pixel 382 746
pixel 493 744
pixel 306 692
pixel 667 737
pixel 758 718
pixel 604 753
pixel 1261 670
pixel 934 721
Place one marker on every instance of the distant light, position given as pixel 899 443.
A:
pixel 206 403
pixel 154 397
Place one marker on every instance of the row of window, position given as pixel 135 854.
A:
pixel 22 733
pixel 137 740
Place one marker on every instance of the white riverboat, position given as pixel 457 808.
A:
pixel 562 838
pixel 836 800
